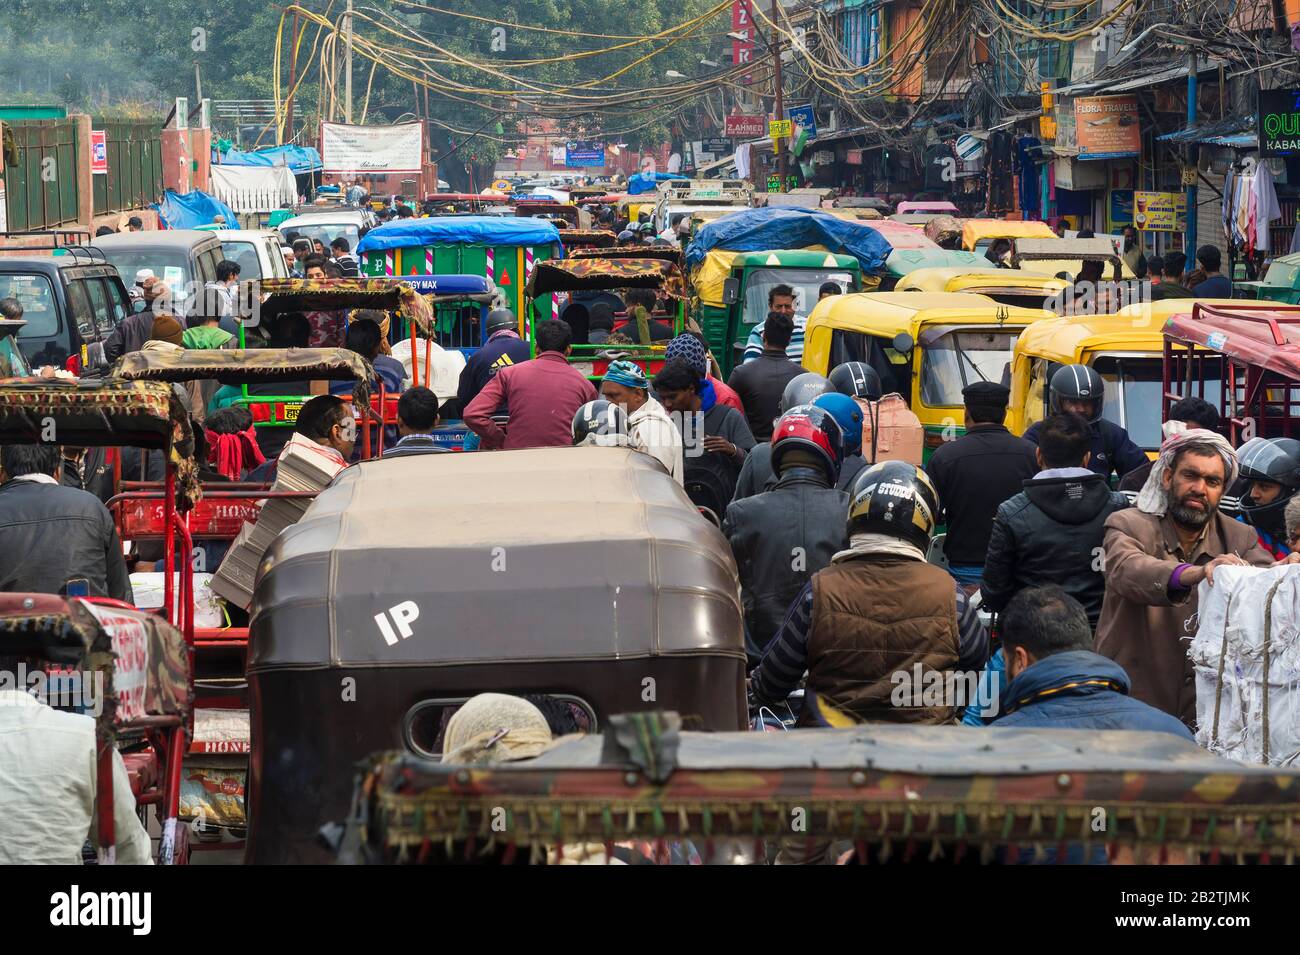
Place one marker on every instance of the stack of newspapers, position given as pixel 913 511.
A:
pixel 303 466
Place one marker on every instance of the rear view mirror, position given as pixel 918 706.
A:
pixel 730 291
pixel 903 343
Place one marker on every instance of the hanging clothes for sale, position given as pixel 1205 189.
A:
pixel 1000 196
pixel 1229 184
pixel 1031 197
pixel 742 161
pixel 1266 205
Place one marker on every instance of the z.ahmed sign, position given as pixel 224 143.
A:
pixel 382 150
pixel 1279 122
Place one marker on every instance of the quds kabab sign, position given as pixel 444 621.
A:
pixel 1279 122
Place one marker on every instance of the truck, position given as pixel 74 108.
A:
pixel 681 198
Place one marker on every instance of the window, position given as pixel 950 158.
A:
pixel 425 724
pixel 101 308
pixel 963 357
pixel 170 265
pixel 805 283
pixel 327 233
pixel 121 305
pixel 35 294
pixel 80 309
pixel 894 368
pixel 244 254
pixel 1134 392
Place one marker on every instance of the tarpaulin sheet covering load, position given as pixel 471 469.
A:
pixel 299 159
pixel 1246 653
pixel 644 182
pixel 756 230
pixel 191 210
pixel 438 230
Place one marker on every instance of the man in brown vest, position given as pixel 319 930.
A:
pixel 878 616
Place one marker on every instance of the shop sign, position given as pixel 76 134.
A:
pixel 1107 127
pixel 1278 122
pixel 1160 211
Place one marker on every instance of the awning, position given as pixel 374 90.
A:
pixel 716 163
pixel 1155 77
pixel 1238 132
pixel 1015 118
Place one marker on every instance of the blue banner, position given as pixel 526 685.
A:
pixel 580 154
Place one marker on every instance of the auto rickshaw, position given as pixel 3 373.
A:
pixel 550 209
pixel 1255 348
pixel 939 208
pixel 597 273
pixel 1008 286
pixel 1054 256
pixel 926 346
pixel 1281 283
pixel 600 584
pixel 900 235
pixel 978 234
pixel 588 239
pixel 1124 348
pixel 879 793
pixel 903 262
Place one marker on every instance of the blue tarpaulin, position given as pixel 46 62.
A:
pixel 647 182
pixel 441 230
pixel 193 209
pixel 756 230
pixel 299 159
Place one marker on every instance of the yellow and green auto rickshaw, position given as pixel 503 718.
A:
pixel 925 346
pixel 1007 286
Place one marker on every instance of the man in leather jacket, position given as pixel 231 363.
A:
pixel 1052 531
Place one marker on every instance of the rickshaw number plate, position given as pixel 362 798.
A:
pixel 291 413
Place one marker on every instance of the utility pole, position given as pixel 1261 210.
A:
pixel 293 79
pixel 776 79
pixel 347 80
pixel 198 84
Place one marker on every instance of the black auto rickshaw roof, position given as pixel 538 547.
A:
pixel 244 365
pixel 598 555
pixel 89 413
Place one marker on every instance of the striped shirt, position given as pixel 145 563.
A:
pixel 786 657
pixel 793 351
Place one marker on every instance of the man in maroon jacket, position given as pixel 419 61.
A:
pixel 543 395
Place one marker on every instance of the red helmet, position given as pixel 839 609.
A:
pixel 811 430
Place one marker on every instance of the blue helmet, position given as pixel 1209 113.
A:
pixel 847 414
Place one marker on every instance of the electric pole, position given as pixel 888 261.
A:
pixel 780 103
pixel 293 81
pixel 347 80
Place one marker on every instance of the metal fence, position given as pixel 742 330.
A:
pixel 134 177
pixel 41 189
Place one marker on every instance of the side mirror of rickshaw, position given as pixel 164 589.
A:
pixel 730 291
pixel 903 343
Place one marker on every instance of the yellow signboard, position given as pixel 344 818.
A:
pixel 1160 211
pixel 1046 127
pixel 780 128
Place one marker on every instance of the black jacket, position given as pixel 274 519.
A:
pixel 486 362
pixel 1051 533
pixel 759 384
pixel 1112 448
pixel 50 534
pixel 757 476
pixel 780 538
pixel 973 476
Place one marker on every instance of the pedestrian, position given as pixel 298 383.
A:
pixel 692 348
pixel 502 349
pixel 600 424
pixel 760 382
pixel 1131 251
pixel 782 536
pixel 715 438
pixel 302 251
pixel 1271 466
pixel 1185 413
pixel 417 419
pixel 641 304
pixel 1292 531
pixel 876 611
pixel 1171 278
pixel 290 263
pixel 133 224
pixel 326 422
pixel 649 429
pixel 53 536
pixel 224 298
pixel 542 395
pixel 758 475
pixel 363 338
pixel 1215 284
pixel 347 262
pixel 999 253
pixel 131 334
pixel 1052 531
pixel 1154 557
pixel 1078 389
pixel 780 299
pixel 977 472
pixel 1057 681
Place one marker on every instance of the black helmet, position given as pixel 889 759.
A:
pixel 500 318
pixel 857 379
pixel 802 389
pixel 1270 459
pixel 1080 383
pixel 897 499
pixel 600 423
pixel 813 431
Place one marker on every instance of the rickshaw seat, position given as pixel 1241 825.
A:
pixel 142 771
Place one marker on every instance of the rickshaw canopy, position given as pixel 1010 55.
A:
pixel 982 281
pixel 905 261
pixel 1072 339
pixel 245 365
pixel 1067 255
pixel 860 202
pixel 900 235
pixel 931 208
pixel 666 252
pixel 589 238
pixel 593 274
pixel 888 313
pixel 758 230
pixel 855 215
pixel 1265 337
pixel 305 295
pixel 975 230
pixel 459 230
pixel 90 413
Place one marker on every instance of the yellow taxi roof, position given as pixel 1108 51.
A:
pixel 1157 312
pixel 1134 328
pixel 887 313
pixel 972 230
pixel 934 277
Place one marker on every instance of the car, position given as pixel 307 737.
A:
pixel 71 304
pixel 255 251
pixel 185 259
pixel 328 224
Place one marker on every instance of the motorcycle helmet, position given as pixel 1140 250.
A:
pixel 501 318
pixel 857 380
pixel 808 436
pixel 600 423
pixel 1276 460
pixel 802 389
pixel 897 499
pixel 1078 383
pixel 847 414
